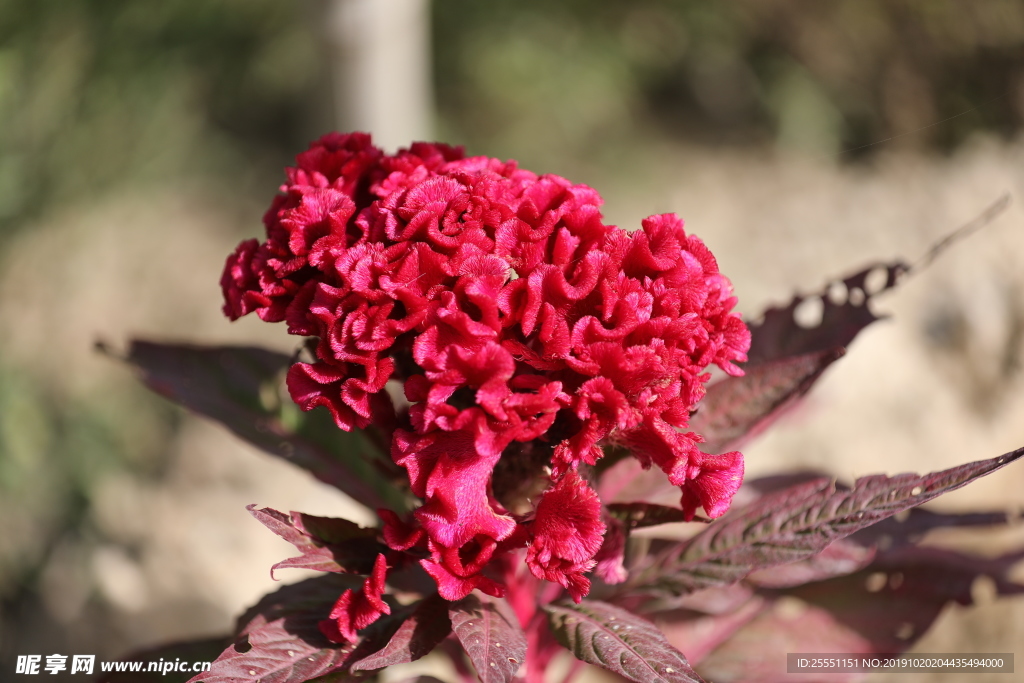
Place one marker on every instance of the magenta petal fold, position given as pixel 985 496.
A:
pixel 525 334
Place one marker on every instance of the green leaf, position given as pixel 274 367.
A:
pixel 494 642
pixel 240 387
pixel 794 524
pixel 614 639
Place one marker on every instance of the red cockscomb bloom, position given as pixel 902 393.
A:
pixel 357 610
pixel 527 334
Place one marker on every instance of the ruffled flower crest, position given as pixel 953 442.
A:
pixel 521 326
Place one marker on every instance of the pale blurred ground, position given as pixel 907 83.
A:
pixel 124 519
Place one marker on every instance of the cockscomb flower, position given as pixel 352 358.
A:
pixel 357 610
pixel 526 334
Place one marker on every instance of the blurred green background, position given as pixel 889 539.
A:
pixel 139 141
pixel 101 93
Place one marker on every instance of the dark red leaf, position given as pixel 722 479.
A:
pixel 193 651
pixel 885 608
pixel 757 650
pixel 696 635
pixel 639 515
pixel 777 482
pixel 610 637
pixel 418 635
pixel 490 635
pixel 627 481
pixel 845 304
pixel 901 530
pixel 777 335
pixel 910 585
pixel 853 553
pixel 327 544
pixel 794 524
pixel 716 600
pixel 229 384
pixel 839 558
pixel 278 640
pixel 737 408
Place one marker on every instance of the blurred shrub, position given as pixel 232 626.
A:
pixel 54 453
pixel 576 77
pixel 99 92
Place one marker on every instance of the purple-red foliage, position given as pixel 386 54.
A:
pixel 536 348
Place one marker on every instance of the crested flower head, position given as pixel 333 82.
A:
pixel 526 334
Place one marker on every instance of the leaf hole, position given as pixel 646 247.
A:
pixel 916 491
pixel 875 582
pixel 857 296
pixel 269 396
pixel 876 280
pixel 837 293
pixel 984 590
pixel 513 660
pixel 1014 515
pixel 790 608
pixel 809 312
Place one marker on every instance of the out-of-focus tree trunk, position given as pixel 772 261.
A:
pixel 380 68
